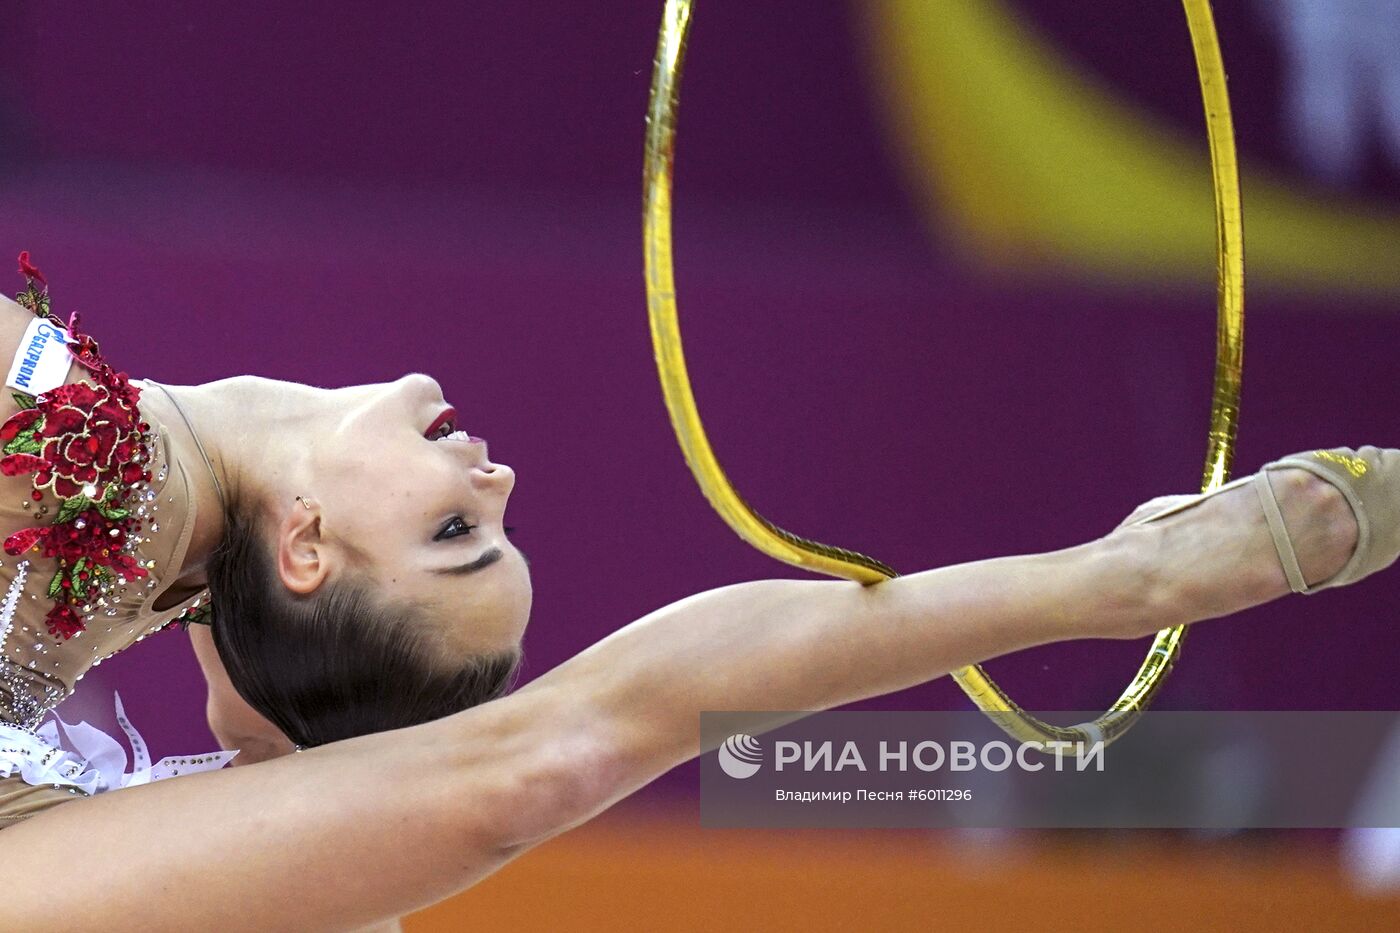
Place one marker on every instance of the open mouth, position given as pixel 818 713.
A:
pixel 443 425
pixel 445 428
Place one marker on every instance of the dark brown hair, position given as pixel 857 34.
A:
pixel 338 663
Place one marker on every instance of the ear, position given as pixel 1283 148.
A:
pixel 304 556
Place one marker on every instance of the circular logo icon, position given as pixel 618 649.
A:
pixel 740 756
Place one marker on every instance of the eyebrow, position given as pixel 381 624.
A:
pixel 481 563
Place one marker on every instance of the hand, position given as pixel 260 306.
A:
pixel 1152 507
pixel 1218 557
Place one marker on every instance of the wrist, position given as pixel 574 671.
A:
pixel 1139 598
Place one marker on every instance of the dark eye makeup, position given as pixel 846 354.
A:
pixel 455 526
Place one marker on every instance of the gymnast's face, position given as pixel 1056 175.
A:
pixel 407 497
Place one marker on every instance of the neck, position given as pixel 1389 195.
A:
pixel 242 449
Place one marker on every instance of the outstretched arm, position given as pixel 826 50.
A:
pixel 815 644
pixel 810 645
pixel 370 828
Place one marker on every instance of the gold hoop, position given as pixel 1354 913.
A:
pixel 838 562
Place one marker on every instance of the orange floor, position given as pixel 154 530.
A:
pixel 656 874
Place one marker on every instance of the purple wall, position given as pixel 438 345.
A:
pixel 318 192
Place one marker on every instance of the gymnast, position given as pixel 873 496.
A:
pixel 367 615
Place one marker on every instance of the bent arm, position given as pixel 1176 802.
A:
pixel 336 838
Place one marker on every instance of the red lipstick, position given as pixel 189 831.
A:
pixel 448 416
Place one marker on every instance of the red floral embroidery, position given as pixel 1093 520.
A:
pixel 29 271
pixel 75 436
pixel 63 621
pixel 87 443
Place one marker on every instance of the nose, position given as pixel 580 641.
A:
pixel 419 385
pixel 495 478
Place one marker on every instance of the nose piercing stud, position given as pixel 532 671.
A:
pixel 304 503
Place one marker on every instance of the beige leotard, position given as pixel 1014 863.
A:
pixel 38 667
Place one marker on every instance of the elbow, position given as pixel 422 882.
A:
pixel 553 766
pixel 569 781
